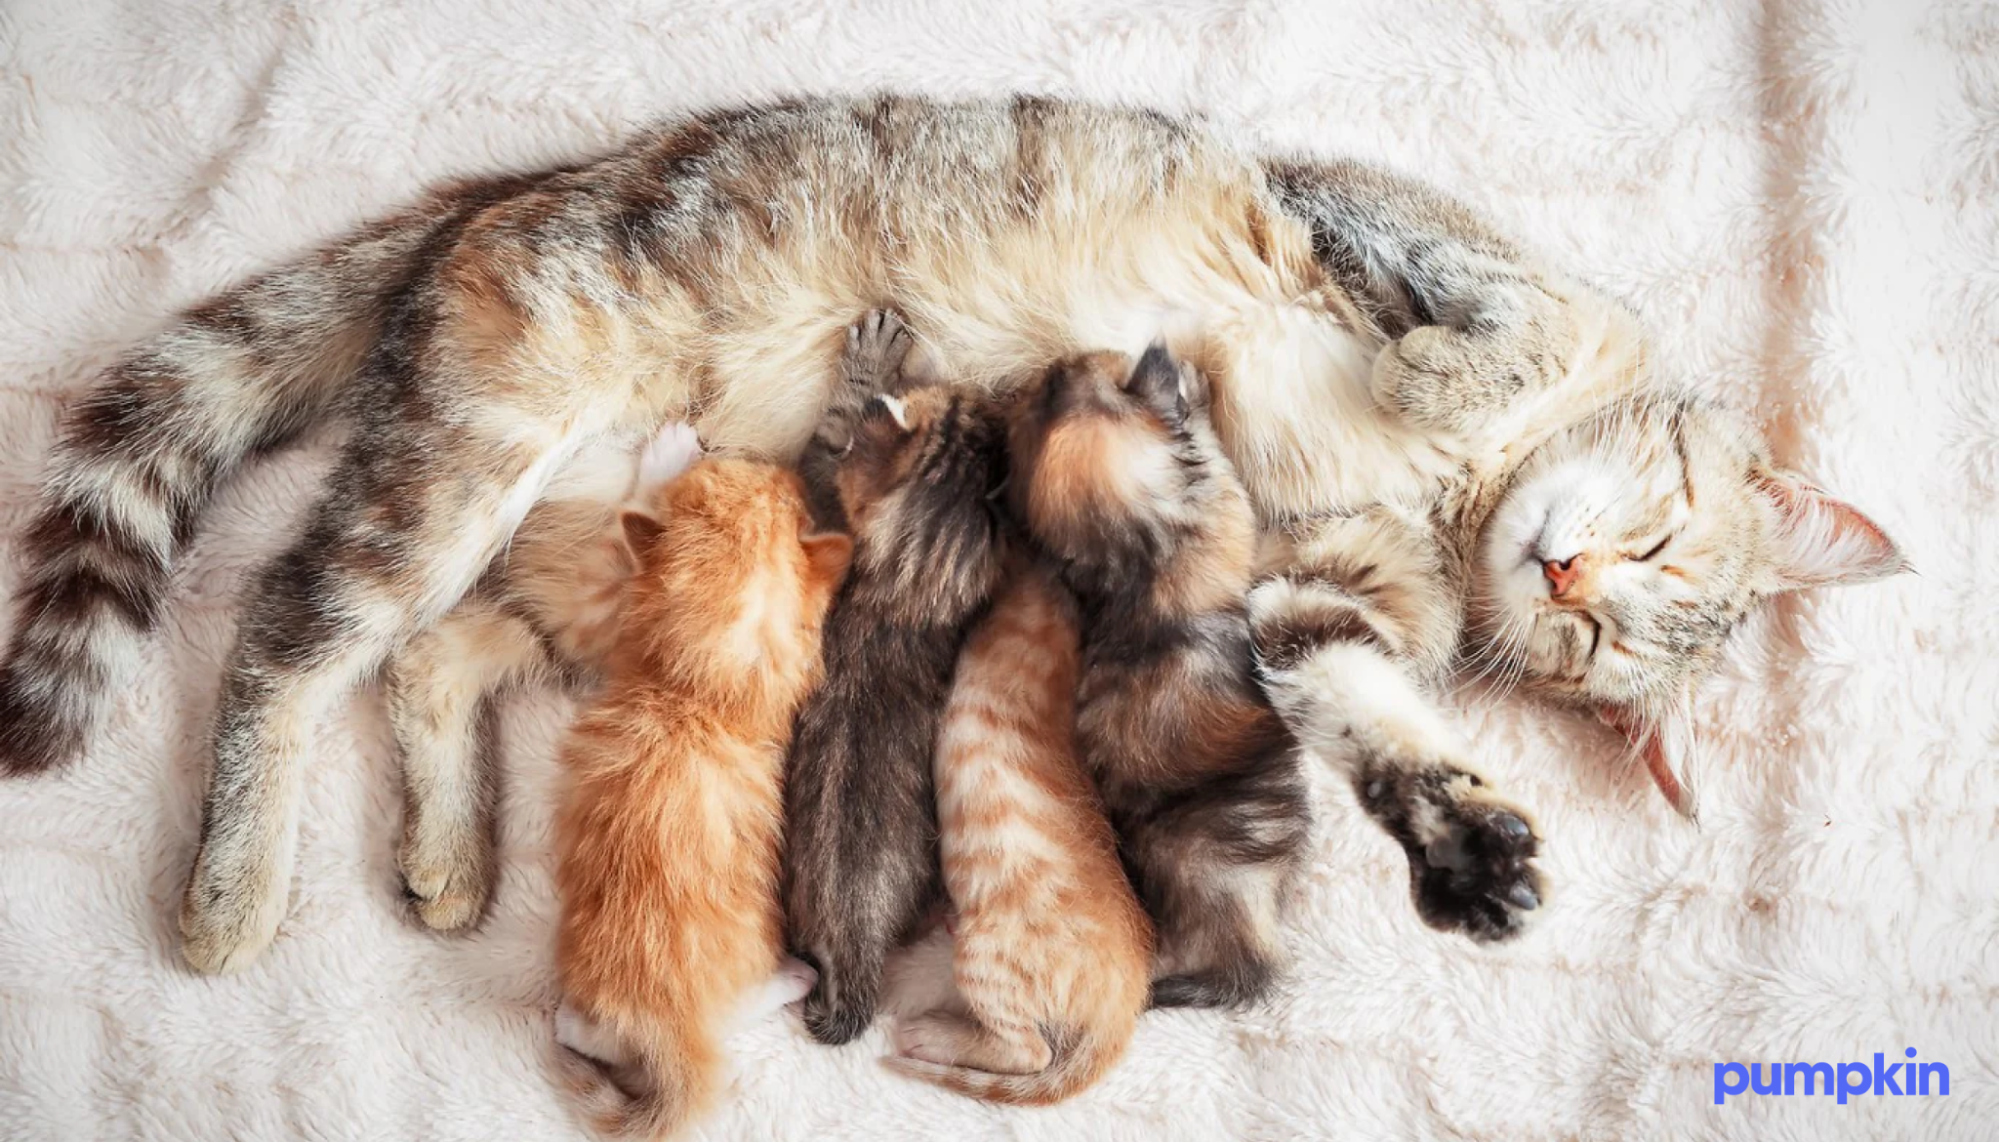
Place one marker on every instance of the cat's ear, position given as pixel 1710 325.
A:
pixel 640 530
pixel 828 554
pixel 1817 539
pixel 1156 381
pixel 1667 749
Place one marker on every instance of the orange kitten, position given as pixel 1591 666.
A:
pixel 670 837
pixel 1053 952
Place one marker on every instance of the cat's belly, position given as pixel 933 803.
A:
pixel 1236 292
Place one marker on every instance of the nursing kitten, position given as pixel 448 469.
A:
pixel 1117 476
pixel 671 830
pixel 915 478
pixel 1048 949
pixel 1384 362
pixel 548 610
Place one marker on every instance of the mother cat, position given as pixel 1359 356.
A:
pixel 1383 367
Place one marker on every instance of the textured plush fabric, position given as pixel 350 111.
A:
pixel 1799 198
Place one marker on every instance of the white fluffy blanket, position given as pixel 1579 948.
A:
pixel 1799 197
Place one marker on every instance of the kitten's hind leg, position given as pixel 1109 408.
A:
pixel 439 687
pixel 958 1041
pixel 791 983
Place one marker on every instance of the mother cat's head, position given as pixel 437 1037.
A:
pixel 1625 549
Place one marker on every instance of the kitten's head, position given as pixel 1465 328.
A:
pixel 1626 548
pixel 733 584
pixel 918 485
pixel 1116 471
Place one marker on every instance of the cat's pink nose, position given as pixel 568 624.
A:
pixel 1562 574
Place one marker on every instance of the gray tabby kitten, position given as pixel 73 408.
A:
pixel 1442 430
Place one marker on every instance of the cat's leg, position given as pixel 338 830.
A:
pixel 1218 941
pixel 950 1040
pixel 1344 636
pixel 1483 331
pixel 790 984
pixel 870 364
pixel 482 403
pixel 439 687
pixel 587 1038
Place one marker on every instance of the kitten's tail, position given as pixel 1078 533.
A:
pixel 143 451
pixel 1080 1059
pixel 678 1072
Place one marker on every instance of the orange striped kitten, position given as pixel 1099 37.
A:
pixel 1052 950
pixel 670 837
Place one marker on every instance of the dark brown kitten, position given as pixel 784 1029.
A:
pixel 1123 484
pixel 916 477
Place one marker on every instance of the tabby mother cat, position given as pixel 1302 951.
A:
pixel 1442 434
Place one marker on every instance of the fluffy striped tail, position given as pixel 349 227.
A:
pixel 1079 1060
pixel 142 453
pixel 677 1079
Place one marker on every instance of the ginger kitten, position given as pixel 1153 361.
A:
pixel 915 476
pixel 548 610
pixel 1050 951
pixel 1120 481
pixel 671 833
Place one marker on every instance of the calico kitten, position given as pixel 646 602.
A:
pixel 549 610
pixel 671 830
pixel 1118 478
pixel 1049 949
pixel 916 478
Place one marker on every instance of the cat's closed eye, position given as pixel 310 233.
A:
pixel 1652 553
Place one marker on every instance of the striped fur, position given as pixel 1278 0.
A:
pixel 671 828
pixel 1049 952
pixel 1120 481
pixel 916 486
pixel 1369 343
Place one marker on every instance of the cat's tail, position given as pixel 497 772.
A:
pixel 142 452
pixel 672 1076
pixel 1079 1060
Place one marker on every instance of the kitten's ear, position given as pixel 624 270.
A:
pixel 1155 380
pixel 1818 540
pixel 1667 749
pixel 828 554
pixel 640 530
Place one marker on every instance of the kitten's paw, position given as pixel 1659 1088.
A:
pixel 448 883
pixel 230 913
pixel 584 1036
pixel 876 347
pixel 793 981
pixel 832 1018
pixel 931 1038
pixel 1471 854
pixel 670 453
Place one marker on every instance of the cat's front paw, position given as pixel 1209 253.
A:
pixel 877 344
pixel 1471 854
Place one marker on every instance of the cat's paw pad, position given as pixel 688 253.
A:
pixel 1471 855
pixel 448 891
pixel 877 344
pixel 671 452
